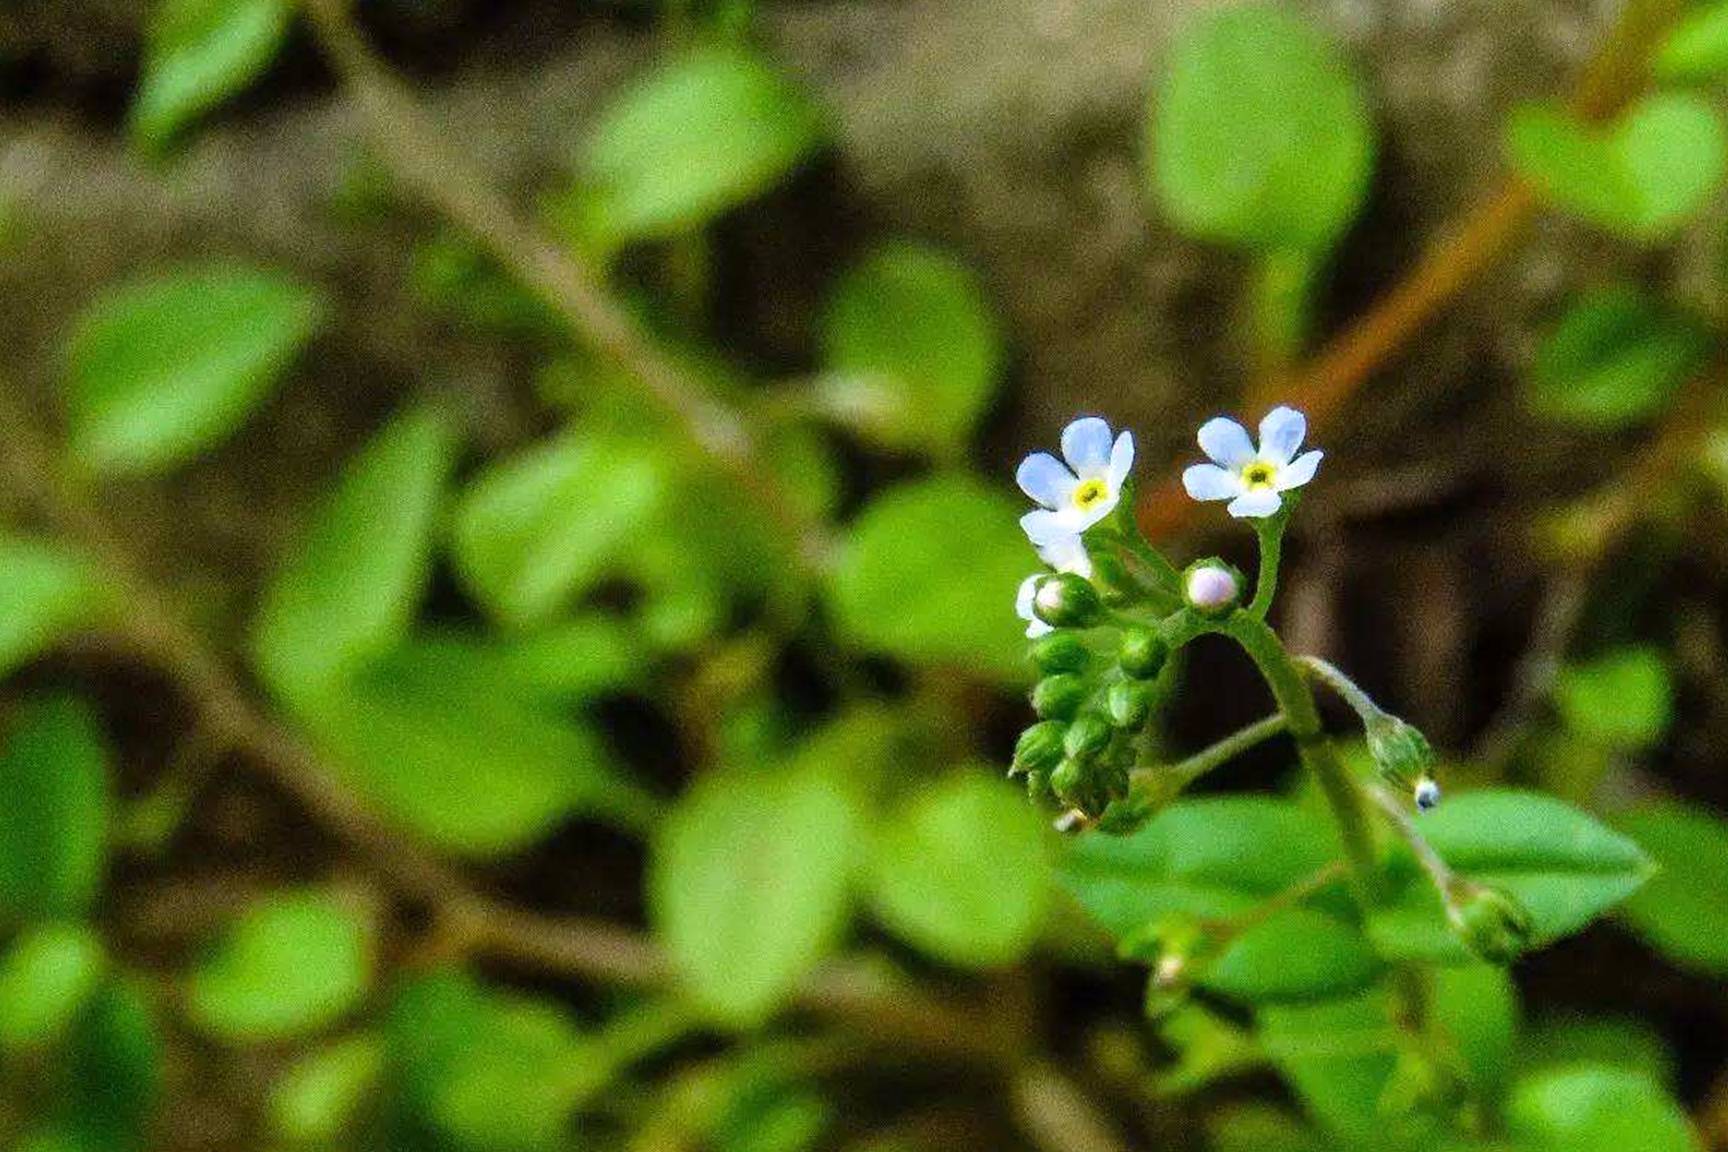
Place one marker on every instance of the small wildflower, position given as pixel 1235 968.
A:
pixel 1252 479
pixel 1212 588
pixel 1080 493
pixel 1064 554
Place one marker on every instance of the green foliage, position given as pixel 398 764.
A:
pixel 1473 1014
pixel 913 349
pixel 46 977
pixel 1562 867
pixel 1594 1108
pixel 54 811
pixel 533 530
pixel 928 572
pixel 1338 1056
pixel 295 962
pixel 1681 911
pixel 1619 1042
pixel 749 884
pixel 1697 48
pixel 46 591
pixel 1615 359
pixel 113 1071
pixel 1260 135
pixel 199 53
pixel 347 592
pixel 1295 954
pixel 700 134
pixel 158 370
pixel 1641 177
pixel 321 1094
pixel 1622 700
pixel 962 871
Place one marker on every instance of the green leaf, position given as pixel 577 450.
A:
pixel 198 53
pixel 532 531
pixel 1205 857
pixel 699 135
pixel 45 592
pixel 114 1071
pixel 444 740
pixel 927 573
pixel 1598 1108
pixel 348 591
pixel 1641 177
pixel 1562 866
pixel 748 884
pixel 1623 699
pixel 294 963
pixel 46 977
pixel 1680 911
pixel 1338 1056
pixel 1614 360
pixel 517 1077
pixel 1296 954
pixel 54 812
pixel 322 1093
pixel 1697 48
pixel 1473 1017
pixel 571 661
pixel 1261 1128
pixel 962 871
pixel 159 370
pixel 1260 135
pixel 1618 1041
pixel 913 347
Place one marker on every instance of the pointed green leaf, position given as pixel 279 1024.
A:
pixel 1681 911
pixel 1615 359
pixel 1296 954
pixel 1597 1108
pixel 46 591
pixel 46 977
pixel 198 53
pixel 54 811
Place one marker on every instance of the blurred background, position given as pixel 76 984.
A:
pixel 509 549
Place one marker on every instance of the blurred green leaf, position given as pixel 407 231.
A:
pixel 928 572
pixel 1338 1056
pixel 54 811
pixel 1641 177
pixel 1598 1108
pixel 1562 866
pixel 347 592
pixel 1295 954
pixel 701 134
pixel 1260 135
pixel 913 349
pixel 515 1081
pixel 317 1098
pixel 294 963
pixel 158 370
pixel 749 881
pixel 790 1120
pixel 1473 1014
pixel 442 738
pixel 1206 857
pixel 1615 359
pixel 962 871
pixel 1623 699
pixel 1619 1041
pixel 46 977
pixel 45 592
pixel 569 662
pixel 113 1071
pixel 1261 1128
pixel 1697 48
pixel 533 530
pixel 198 53
pixel 1681 911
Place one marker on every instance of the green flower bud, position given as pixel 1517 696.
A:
pixel 1142 653
pixel 1211 587
pixel 1067 601
pixel 1491 923
pixel 1110 576
pixel 1401 753
pixel 1089 784
pixel 1039 748
pixel 1060 652
pixel 1129 703
pixel 1059 697
pixel 1066 781
pixel 1087 736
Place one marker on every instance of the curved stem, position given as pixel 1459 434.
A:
pixel 1347 689
pixel 1271 534
pixel 1175 777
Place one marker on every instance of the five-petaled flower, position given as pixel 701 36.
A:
pixel 1251 479
pixel 1064 554
pixel 1082 492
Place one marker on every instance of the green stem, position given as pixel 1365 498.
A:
pixel 1179 775
pixel 1271 533
pixel 1347 689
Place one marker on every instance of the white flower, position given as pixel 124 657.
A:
pixel 1082 492
pixel 1064 554
pixel 1252 479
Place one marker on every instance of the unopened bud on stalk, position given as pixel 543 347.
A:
pixel 1067 601
pixel 1401 753
pixel 1491 923
pixel 1039 748
pixel 1087 736
pixel 1060 652
pixel 1129 703
pixel 1142 653
pixel 1211 587
pixel 1059 697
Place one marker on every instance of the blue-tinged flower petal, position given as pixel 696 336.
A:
pixel 1210 482
pixel 1299 471
pixel 1067 554
pixel 1251 505
pixel 1023 607
pixel 1045 479
pixel 1281 434
pixel 1045 527
pixel 1226 442
pixel 1121 459
pixel 1086 447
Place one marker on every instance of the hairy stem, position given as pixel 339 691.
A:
pixel 1173 778
pixel 1347 689
pixel 1270 532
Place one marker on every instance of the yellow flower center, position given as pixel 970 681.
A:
pixel 1089 493
pixel 1259 475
